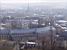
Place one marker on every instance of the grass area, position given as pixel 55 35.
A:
pixel 6 45
pixel 2 48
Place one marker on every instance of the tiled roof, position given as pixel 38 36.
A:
pixel 37 30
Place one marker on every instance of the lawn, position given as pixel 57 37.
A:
pixel 4 48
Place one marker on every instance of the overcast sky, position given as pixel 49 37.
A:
pixel 31 1
pixel 54 3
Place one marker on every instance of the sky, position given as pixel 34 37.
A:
pixel 31 1
pixel 54 3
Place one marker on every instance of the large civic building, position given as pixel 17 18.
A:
pixel 25 34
